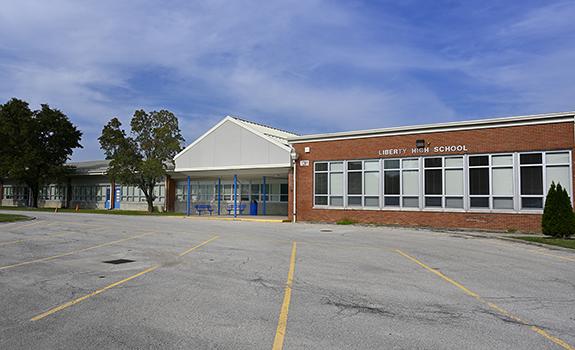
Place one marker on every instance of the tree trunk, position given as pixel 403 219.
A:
pixel 34 189
pixel 150 204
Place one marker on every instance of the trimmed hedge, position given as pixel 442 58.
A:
pixel 558 218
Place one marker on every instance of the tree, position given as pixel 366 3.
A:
pixel 142 158
pixel 558 218
pixel 35 145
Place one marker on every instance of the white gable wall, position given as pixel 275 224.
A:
pixel 230 145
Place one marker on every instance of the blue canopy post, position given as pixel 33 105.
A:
pixel 189 198
pixel 264 197
pixel 235 196
pixel 219 194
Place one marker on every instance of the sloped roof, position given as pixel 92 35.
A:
pixel 274 135
pixel 91 166
pixel 266 130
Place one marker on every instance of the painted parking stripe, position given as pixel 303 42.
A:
pixel 282 321
pixel 110 286
pixel 493 306
pixel 6 267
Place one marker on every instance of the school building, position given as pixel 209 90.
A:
pixel 481 174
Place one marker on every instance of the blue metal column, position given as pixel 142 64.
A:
pixel 235 196
pixel 189 201
pixel 219 194
pixel 264 203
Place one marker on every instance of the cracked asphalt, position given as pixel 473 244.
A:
pixel 206 284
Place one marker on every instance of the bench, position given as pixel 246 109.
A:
pixel 200 208
pixel 240 208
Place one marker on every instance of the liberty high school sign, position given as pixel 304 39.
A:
pixel 421 150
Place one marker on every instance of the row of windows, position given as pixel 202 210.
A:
pixel 493 181
pixel 91 193
pixel 15 192
pixel 135 194
pixel 208 191
pixel 53 193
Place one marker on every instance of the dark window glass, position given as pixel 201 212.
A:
pixel 433 182
pixel 479 181
pixel 284 189
pixel 478 160
pixel 532 203
pixel 532 158
pixel 321 166
pixel 479 202
pixel 354 201
pixel 433 201
pixel 354 165
pixel 432 162
pixel 321 200
pixel 391 182
pixel 354 183
pixel 532 180
pixel 391 164
pixel 320 183
pixel 391 201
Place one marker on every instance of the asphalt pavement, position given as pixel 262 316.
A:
pixel 86 281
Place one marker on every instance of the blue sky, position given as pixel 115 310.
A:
pixel 305 66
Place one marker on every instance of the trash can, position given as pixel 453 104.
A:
pixel 254 207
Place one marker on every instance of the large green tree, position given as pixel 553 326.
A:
pixel 142 158
pixel 35 145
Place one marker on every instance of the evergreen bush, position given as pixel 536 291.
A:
pixel 558 217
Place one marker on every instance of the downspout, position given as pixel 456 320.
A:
pixel 294 192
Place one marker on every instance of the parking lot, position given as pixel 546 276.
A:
pixel 126 282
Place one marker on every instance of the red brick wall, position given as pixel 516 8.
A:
pixel 558 136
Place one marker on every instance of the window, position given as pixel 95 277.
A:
pixel 502 181
pixel 354 183
pixel 433 182
pixel 512 181
pixel 391 180
pixel 531 169
pixel 479 182
pixel 558 170
pixel 320 184
pixel 371 184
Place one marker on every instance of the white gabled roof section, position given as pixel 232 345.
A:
pixel 236 143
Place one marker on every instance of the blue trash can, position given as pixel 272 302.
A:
pixel 254 207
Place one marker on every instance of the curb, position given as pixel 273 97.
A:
pixel 236 219
pixel 548 246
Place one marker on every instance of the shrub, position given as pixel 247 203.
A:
pixel 558 217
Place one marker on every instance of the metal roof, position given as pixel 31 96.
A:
pixel 441 127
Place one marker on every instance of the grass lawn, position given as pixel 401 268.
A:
pixel 565 243
pixel 13 217
pixel 95 211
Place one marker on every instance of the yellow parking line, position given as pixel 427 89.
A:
pixel 115 284
pixel 198 246
pixel 6 267
pixel 36 222
pixel 34 238
pixel 493 306
pixel 282 321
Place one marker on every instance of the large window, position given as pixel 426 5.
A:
pixel 15 192
pixel 492 182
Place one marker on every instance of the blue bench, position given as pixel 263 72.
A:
pixel 200 208
pixel 241 207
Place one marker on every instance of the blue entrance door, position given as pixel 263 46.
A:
pixel 107 205
pixel 117 197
